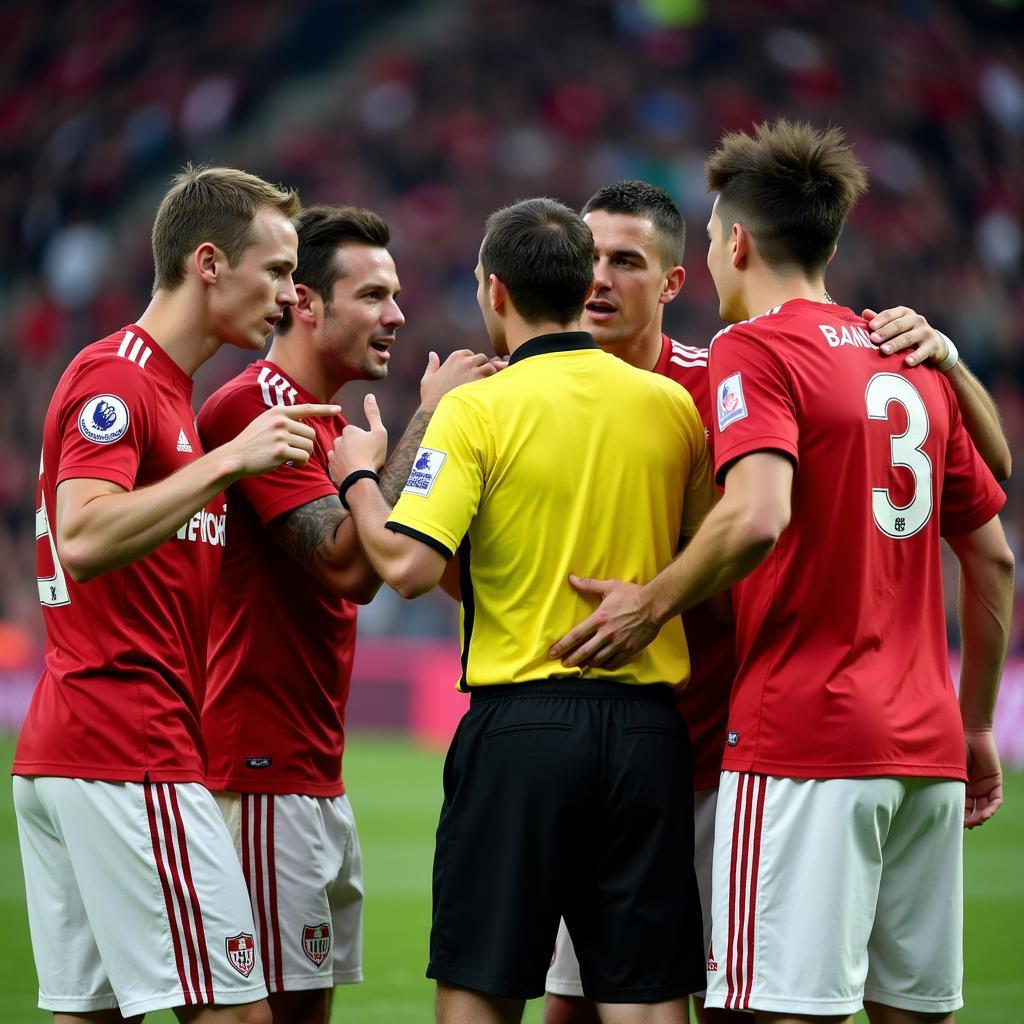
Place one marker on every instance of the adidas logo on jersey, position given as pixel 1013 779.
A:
pixel 183 442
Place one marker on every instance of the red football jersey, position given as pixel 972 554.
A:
pixel 125 652
pixel 704 703
pixel 281 643
pixel 841 638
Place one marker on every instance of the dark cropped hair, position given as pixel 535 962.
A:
pixel 543 253
pixel 791 185
pixel 321 230
pixel 210 204
pixel 641 199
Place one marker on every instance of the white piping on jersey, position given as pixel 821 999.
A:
pixel 693 351
pixel 139 346
pixel 687 355
pixel 267 380
pixel 740 323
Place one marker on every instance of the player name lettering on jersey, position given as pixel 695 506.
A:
pixel 205 527
pixel 855 336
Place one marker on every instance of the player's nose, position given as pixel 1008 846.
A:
pixel 393 315
pixel 287 296
pixel 602 280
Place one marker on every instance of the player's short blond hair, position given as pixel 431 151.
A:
pixel 210 204
pixel 791 185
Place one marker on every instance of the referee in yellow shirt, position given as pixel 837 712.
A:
pixel 566 791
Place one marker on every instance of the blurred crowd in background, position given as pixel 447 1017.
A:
pixel 434 114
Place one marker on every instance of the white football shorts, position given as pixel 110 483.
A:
pixel 135 899
pixel 563 978
pixel 302 863
pixel 829 892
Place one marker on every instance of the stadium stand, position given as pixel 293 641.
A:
pixel 436 128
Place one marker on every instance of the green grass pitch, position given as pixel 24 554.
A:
pixel 395 790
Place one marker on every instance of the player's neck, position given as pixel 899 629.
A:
pixel 300 365
pixel 767 291
pixel 518 332
pixel 172 320
pixel 642 350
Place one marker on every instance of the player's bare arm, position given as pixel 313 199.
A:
pixel 100 526
pixel 986 609
pixel 396 470
pixel 897 329
pixel 408 566
pixel 737 535
pixel 320 534
pixel 438 379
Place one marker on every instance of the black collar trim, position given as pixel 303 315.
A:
pixel 567 341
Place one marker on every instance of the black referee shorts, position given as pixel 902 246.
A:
pixel 568 798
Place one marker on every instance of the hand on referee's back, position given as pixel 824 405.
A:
pixel 614 634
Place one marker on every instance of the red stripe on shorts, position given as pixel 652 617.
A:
pixel 179 891
pixel 196 910
pixel 730 958
pixel 261 899
pixel 742 953
pixel 272 876
pixel 248 855
pixel 762 786
pixel 168 902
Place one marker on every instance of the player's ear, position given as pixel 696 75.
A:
pixel 207 260
pixel 835 249
pixel 305 308
pixel 740 244
pixel 673 283
pixel 496 292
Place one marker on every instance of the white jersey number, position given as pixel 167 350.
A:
pixel 53 590
pixel 905 450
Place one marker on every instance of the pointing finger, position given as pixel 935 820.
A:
pixel 301 412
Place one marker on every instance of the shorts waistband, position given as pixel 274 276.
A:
pixel 606 689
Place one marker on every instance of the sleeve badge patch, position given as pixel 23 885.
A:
pixel 730 403
pixel 424 471
pixel 103 419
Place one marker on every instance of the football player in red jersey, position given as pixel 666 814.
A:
pixel 283 628
pixel 135 898
pixel 639 238
pixel 844 770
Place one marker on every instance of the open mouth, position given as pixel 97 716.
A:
pixel 382 345
pixel 600 309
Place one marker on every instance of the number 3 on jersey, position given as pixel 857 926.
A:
pixel 53 590
pixel 905 450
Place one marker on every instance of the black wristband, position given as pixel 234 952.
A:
pixel 359 474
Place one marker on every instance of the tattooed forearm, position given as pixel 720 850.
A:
pixel 308 532
pixel 396 470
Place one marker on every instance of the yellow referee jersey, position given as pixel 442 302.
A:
pixel 570 460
